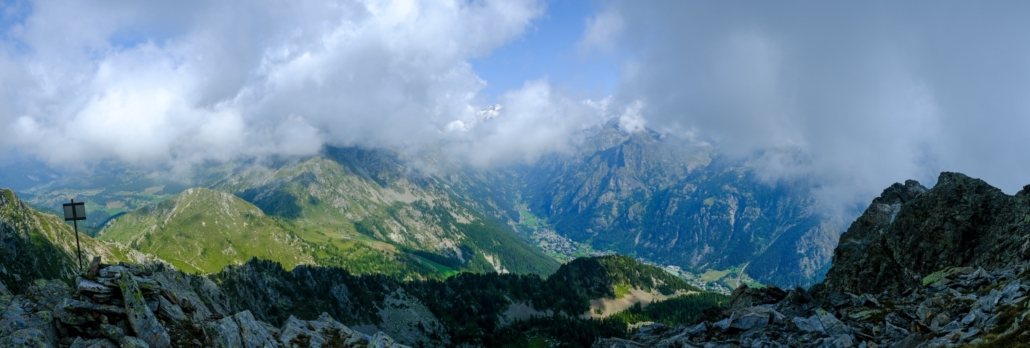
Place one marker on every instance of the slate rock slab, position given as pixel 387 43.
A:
pixel 141 318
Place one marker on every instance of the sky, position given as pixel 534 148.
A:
pixel 871 92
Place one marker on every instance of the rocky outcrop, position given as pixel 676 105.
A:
pixel 958 306
pixel 134 306
pixel 910 232
pixel 35 245
pixel 939 267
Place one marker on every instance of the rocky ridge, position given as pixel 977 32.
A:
pixel 938 267
pixel 127 305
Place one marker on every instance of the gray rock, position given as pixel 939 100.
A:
pixel 954 325
pixel 939 320
pixel 93 343
pixel 83 306
pixel 30 337
pixel 224 333
pixel 357 340
pixel 811 324
pixel 19 327
pixel 971 318
pixel 142 320
pixel 112 272
pixel 380 340
pixel 153 304
pixel 747 319
pixel 696 329
pixel 252 333
pixel 723 324
pixel 616 343
pixel 842 341
pixel 923 312
pixel 295 333
pixel 868 300
pixel 113 332
pixel 132 342
pixel 988 303
pixel 991 322
pixel 4 291
pixel 93 287
pixel 176 286
pixel 1010 292
pixel 170 310
pixel 326 325
pixel 832 325
pixel 969 334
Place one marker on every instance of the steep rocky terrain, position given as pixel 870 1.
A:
pixel 684 204
pixel 939 267
pixel 260 303
pixel 910 232
pixel 34 245
pixel 132 306
pixel 667 200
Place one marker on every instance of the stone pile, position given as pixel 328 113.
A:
pixel 130 306
pixel 956 307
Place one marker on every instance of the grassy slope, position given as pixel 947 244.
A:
pixel 202 230
pixel 37 245
pixel 332 202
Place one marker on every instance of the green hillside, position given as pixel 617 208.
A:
pixel 351 199
pixel 36 245
pixel 202 230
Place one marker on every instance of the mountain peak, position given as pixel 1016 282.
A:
pixel 910 232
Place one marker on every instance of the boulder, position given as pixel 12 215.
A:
pixel 89 286
pixel 832 325
pixel 83 306
pixel 810 324
pixel 132 342
pixel 22 328
pixel 143 321
pixel 253 334
pixel 170 310
pixel 223 333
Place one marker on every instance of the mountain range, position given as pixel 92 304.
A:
pixel 581 300
pixel 665 200
pixel 942 266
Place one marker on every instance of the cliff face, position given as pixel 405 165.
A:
pixel 940 267
pixel 910 232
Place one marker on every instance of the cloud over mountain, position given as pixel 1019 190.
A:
pixel 172 81
pixel 873 92
pixel 867 93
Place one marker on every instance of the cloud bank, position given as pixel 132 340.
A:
pixel 183 82
pixel 858 95
pixel 871 92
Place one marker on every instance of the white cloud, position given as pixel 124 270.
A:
pixel 601 32
pixel 533 120
pixel 631 121
pixel 151 82
pixel 870 93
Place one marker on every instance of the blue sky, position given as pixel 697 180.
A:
pixel 549 50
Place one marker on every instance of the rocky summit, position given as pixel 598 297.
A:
pixel 128 305
pixel 940 267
